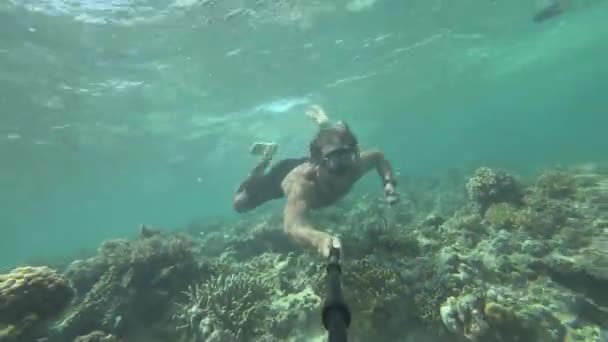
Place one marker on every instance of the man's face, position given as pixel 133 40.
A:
pixel 340 160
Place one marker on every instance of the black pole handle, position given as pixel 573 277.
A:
pixel 336 314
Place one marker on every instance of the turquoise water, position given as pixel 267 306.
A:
pixel 116 113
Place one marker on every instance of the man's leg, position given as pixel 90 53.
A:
pixel 550 9
pixel 245 197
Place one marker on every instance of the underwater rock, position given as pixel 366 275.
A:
pixel 138 279
pixel 266 236
pixel 31 295
pixel 291 273
pixel 83 274
pixel 534 248
pixel 26 328
pixel 592 192
pixel 463 316
pixel 504 216
pixel 433 220
pixel 38 290
pixel 488 186
pixel 585 273
pixel 447 260
pixel 100 309
pixel 463 229
pixel 530 324
pixel 146 231
pixel 556 184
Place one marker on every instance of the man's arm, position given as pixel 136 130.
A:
pixel 296 223
pixel 375 159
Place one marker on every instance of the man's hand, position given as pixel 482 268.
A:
pixel 327 243
pixel 390 194
pixel 317 114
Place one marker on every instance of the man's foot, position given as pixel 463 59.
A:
pixel 265 149
pixel 549 9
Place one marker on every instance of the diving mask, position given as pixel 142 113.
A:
pixel 341 159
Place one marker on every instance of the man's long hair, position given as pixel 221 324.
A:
pixel 339 135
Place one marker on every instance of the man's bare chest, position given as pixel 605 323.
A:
pixel 328 192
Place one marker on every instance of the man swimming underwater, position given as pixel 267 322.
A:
pixel 333 166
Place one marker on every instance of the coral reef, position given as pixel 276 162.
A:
pixel 479 316
pixel 233 303
pixel 556 184
pixel 377 295
pixel 28 297
pixel 492 259
pixel 247 304
pixel 127 282
pixel 488 186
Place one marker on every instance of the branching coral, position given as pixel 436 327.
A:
pixel 372 281
pixel 234 303
pixel 294 314
pixel 427 304
pixel 437 279
pixel 373 290
pixel 289 273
